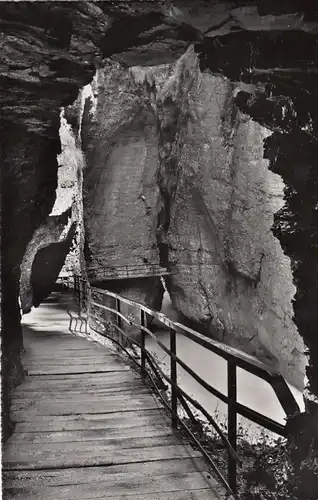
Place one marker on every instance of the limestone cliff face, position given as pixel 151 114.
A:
pixel 70 192
pixel 229 271
pixel 120 193
pixel 175 172
pixel 119 139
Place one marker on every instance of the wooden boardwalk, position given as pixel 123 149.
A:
pixel 87 427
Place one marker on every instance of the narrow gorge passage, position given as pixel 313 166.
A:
pixel 190 133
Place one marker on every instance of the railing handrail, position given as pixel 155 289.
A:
pixel 234 358
pixel 242 359
pixel 210 344
pixel 145 264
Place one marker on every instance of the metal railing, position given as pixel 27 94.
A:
pixel 127 271
pixel 91 299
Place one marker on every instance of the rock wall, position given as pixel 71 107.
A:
pixel 120 143
pixel 70 191
pixel 176 173
pixel 232 276
pixel 121 197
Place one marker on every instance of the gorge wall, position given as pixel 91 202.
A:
pixel 175 174
pixel 121 196
pixel 231 273
pixel 50 50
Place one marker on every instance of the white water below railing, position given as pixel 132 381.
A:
pixel 253 392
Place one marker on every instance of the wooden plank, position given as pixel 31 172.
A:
pixel 70 390
pixel 121 485
pixel 93 456
pixel 193 494
pixel 14 449
pixel 67 360
pixel 53 477
pixel 22 411
pixel 76 350
pixel 56 378
pixel 92 434
pixel 67 349
pixel 53 403
pixel 76 385
pixel 46 344
pixel 79 396
pixel 120 420
pixel 203 494
pixel 73 355
pixel 108 376
pixel 92 395
pixel 43 336
pixel 32 344
pixel 92 368
pixel 46 335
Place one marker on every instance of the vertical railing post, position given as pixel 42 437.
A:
pixel 173 375
pixel 76 292
pixel 232 420
pixel 84 296
pixel 143 344
pixel 81 293
pixel 118 319
pixel 89 301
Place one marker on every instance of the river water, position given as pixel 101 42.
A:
pixel 252 391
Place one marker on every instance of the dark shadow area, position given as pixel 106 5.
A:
pixel 47 265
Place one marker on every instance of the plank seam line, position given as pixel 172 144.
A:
pixel 75 373
pixel 86 413
pixel 132 410
pixel 159 424
pixel 114 464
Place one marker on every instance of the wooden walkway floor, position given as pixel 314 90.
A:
pixel 87 427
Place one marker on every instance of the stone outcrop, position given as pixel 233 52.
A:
pixel 47 265
pixel 55 231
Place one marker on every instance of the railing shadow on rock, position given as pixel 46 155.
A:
pixel 89 299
